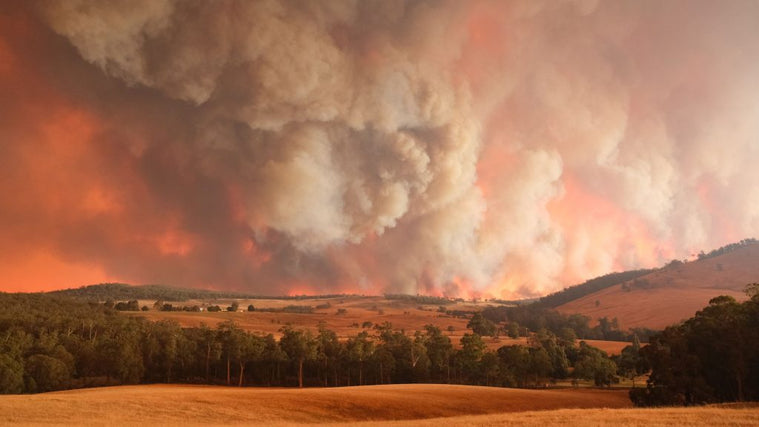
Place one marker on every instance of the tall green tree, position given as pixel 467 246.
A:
pixel 299 346
pixel 439 350
pixel 251 350
pixel 162 344
pixel 233 344
pixel 359 349
pixel 469 356
pixel 481 326
pixel 555 349
pixel 45 373
pixel 328 352
pixel 515 365
pixel 594 364
pixel 211 345
pixel 11 374
pixel 630 363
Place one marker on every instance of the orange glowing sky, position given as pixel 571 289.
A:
pixel 467 149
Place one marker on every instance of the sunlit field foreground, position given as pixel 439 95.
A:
pixel 403 405
pixel 693 416
pixel 175 404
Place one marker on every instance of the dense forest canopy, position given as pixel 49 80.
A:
pixel 712 357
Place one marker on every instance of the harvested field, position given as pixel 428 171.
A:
pixel 175 404
pixel 610 347
pixel 702 416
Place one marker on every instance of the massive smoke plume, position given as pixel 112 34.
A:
pixel 457 148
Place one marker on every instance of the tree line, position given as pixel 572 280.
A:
pixel 123 291
pixel 590 286
pixel 51 343
pixel 523 320
pixel 727 248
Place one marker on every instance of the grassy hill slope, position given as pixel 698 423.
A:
pixel 173 404
pixel 590 286
pixel 401 405
pixel 674 292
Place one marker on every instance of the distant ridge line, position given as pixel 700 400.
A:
pixel 123 291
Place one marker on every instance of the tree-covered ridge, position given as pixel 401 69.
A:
pixel 728 248
pixel 590 286
pixel 51 343
pixel 122 291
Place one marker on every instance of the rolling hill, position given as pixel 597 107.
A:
pixel 401 405
pixel 674 292
pixel 172 404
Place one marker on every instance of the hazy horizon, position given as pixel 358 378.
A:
pixel 480 148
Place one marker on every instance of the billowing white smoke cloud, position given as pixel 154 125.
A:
pixel 415 146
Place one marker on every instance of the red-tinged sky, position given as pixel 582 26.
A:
pixel 480 148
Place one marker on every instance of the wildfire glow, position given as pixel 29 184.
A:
pixel 463 149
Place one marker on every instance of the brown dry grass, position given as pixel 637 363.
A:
pixel 358 310
pixel 406 316
pixel 702 416
pixel 610 347
pixel 174 404
pixel 409 317
pixel 401 405
pixel 674 293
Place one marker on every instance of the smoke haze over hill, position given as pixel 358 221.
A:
pixel 456 148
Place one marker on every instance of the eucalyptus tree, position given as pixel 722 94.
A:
pixel 299 346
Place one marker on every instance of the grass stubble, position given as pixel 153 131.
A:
pixel 401 405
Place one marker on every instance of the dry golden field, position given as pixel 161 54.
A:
pixel 704 416
pixel 175 404
pixel 403 405
pixel 674 293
